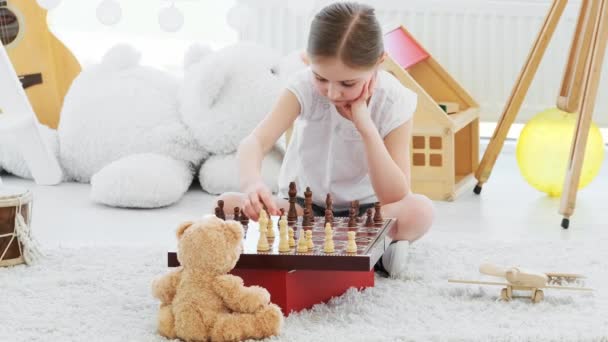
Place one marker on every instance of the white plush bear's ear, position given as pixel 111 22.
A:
pixel 121 56
pixel 292 63
pixel 209 78
pixel 195 54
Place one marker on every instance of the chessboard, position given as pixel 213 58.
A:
pixel 357 242
pixel 371 243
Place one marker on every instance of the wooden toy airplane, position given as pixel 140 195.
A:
pixel 518 279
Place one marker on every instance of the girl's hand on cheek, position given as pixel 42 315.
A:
pixel 360 114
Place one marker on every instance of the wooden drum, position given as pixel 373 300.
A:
pixel 13 201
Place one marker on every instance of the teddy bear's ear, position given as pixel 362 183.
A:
pixel 195 54
pixel 234 229
pixel 182 228
pixel 121 56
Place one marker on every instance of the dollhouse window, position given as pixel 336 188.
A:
pixel 435 143
pixel 435 160
pixel 418 142
pixel 419 159
pixel 432 153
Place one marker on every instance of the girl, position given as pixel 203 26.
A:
pixel 351 137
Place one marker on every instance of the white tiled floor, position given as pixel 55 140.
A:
pixel 507 208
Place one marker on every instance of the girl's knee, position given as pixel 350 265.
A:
pixel 418 206
pixel 424 204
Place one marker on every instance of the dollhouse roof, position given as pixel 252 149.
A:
pixel 419 71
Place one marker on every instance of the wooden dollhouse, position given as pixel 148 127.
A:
pixel 445 141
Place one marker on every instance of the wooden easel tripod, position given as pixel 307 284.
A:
pixel 577 93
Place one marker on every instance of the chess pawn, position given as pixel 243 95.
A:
pixel 351 245
pixel 329 240
pixel 352 220
pixel 306 218
pixel 378 213
pixel 263 242
pixel 292 241
pixel 369 222
pixel 309 242
pixel 284 242
pixel 244 219
pixel 220 204
pixel 302 245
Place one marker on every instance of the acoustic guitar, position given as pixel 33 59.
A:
pixel 45 67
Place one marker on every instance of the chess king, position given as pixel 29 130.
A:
pixel 351 125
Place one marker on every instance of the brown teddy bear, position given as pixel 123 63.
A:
pixel 200 301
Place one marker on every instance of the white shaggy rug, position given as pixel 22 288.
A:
pixel 103 294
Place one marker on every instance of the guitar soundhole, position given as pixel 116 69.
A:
pixel 9 26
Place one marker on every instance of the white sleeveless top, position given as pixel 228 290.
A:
pixel 326 152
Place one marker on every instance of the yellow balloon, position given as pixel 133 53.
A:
pixel 543 151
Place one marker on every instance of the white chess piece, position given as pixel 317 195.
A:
pixel 263 221
pixel 263 241
pixel 302 245
pixel 351 245
pixel 284 243
pixel 309 242
pixel 292 240
pixel 329 239
pixel 270 228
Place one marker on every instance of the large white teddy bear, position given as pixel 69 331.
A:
pixel 139 135
pixel 224 96
pixel 120 129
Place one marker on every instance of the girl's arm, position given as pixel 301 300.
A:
pixel 389 161
pixel 254 147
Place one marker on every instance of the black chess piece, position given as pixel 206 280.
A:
pixel 352 219
pixel 378 213
pixel 370 221
pixel 292 214
pixel 244 218
pixel 222 214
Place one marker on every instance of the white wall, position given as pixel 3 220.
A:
pixel 482 43
pixel 76 24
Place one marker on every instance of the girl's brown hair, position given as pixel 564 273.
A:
pixel 348 31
